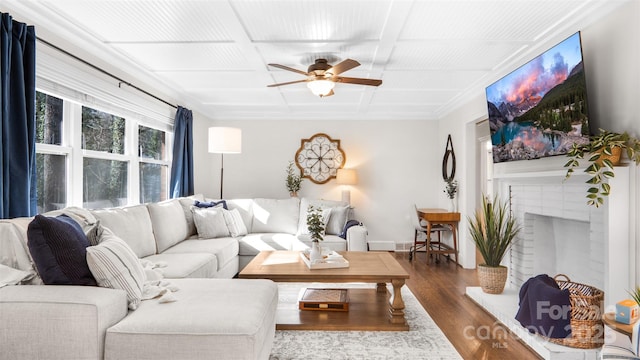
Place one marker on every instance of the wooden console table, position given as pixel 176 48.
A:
pixel 441 217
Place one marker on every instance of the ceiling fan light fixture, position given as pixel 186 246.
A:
pixel 321 87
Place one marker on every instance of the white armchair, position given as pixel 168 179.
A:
pixel 622 347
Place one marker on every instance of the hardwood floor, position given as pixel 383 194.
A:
pixel 440 288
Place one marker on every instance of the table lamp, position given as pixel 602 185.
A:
pixel 346 177
pixel 224 140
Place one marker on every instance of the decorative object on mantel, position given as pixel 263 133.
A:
pixel 493 230
pixel 346 177
pixel 293 180
pixel 604 151
pixel 319 158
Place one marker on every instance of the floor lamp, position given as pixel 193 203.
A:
pixel 346 177
pixel 224 140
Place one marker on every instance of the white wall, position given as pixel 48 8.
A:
pixel 611 49
pixel 398 164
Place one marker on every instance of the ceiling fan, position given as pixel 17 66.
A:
pixel 322 77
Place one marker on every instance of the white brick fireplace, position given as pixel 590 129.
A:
pixel 561 234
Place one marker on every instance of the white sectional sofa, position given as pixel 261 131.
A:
pixel 211 315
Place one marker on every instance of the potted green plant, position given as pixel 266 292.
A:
pixel 493 230
pixel 293 180
pixel 316 231
pixel 604 150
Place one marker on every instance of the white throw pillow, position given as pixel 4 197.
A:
pixel 210 222
pixel 234 222
pixel 338 220
pixel 114 265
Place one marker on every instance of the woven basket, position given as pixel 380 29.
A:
pixel 587 328
pixel 616 154
pixel 492 279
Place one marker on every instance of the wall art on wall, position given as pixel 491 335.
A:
pixel 319 158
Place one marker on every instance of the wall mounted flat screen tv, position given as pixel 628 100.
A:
pixel 540 109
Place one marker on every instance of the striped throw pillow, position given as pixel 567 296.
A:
pixel 116 266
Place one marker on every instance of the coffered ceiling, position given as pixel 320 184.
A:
pixel 212 56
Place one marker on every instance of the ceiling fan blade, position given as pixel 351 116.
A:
pixel 359 81
pixel 287 83
pixel 288 69
pixel 343 66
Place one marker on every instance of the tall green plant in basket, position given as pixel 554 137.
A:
pixel 493 230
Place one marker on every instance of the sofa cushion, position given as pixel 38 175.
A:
pixel 340 211
pixel 187 203
pixel 252 244
pixel 131 224
pixel 234 222
pixel 275 215
pixel 213 318
pixel 245 208
pixel 194 265
pixel 115 266
pixel 169 223
pixel 210 222
pixel 224 249
pixel 58 248
pixel 14 251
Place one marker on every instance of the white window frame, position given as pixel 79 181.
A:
pixel 71 147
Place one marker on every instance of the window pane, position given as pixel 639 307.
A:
pixel 102 131
pixel 104 183
pixel 52 182
pixel 48 119
pixel 153 182
pixel 151 143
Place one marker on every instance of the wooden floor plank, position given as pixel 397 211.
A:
pixel 440 288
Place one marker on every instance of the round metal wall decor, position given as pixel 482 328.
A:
pixel 319 158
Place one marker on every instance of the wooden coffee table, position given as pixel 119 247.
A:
pixel 369 309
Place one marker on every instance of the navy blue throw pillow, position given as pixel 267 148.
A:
pixel 58 247
pixel 210 204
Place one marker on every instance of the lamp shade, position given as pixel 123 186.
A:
pixel 347 177
pixel 321 87
pixel 225 140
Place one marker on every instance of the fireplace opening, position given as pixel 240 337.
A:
pixel 563 246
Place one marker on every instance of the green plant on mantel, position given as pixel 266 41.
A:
pixel 635 295
pixel 604 150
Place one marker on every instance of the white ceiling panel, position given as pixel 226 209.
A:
pixel 522 20
pixel 275 21
pixel 186 56
pixel 212 56
pixel 431 80
pixel 146 21
pixel 206 80
pixel 394 96
pixel 468 55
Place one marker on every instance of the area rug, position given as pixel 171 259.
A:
pixel 424 340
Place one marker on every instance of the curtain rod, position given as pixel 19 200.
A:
pixel 120 81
